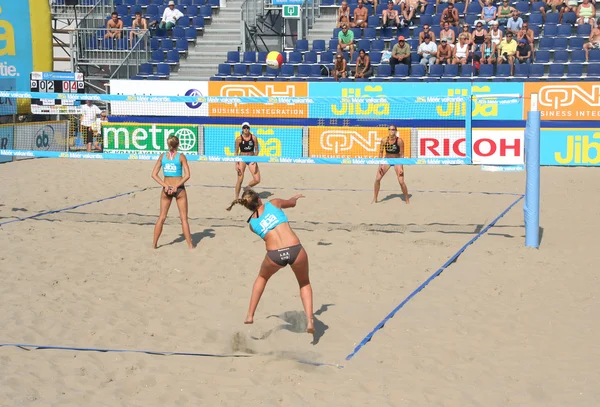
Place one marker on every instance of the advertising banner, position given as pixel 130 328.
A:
pixel 498 146
pixel 6 141
pixel 132 138
pixel 273 141
pixel 147 100
pixel 570 147
pixel 351 142
pixel 8 105
pixel 42 136
pixel 425 101
pixel 565 100
pixel 441 143
pixel 279 110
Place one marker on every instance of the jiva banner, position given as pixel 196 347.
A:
pixel 570 147
pixel 131 138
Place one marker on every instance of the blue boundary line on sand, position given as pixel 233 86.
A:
pixel 37 215
pixel 426 282
pixel 30 347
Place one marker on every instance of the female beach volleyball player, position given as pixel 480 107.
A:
pixel 393 146
pixel 283 247
pixel 176 171
pixel 246 144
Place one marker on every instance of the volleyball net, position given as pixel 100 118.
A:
pixel 312 130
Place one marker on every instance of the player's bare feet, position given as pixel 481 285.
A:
pixel 374 201
pixel 249 320
pixel 310 328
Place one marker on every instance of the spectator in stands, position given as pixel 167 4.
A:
pixel 515 23
pixel 170 17
pixel 89 113
pixel 594 42
pixel 508 48
pixel 526 33
pixel 478 37
pixel 410 9
pixel 570 6
pixel 496 34
pixel 363 65
pixel 444 53
pixel 551 6
pixel 340 67
pixel 346 41
pixel 390 16
pixel 504 13
pixel 373 5
pixel 450 16
pixel 488 51
pixel 343 15
pixel 586 12
pixel 466 33
pixel 427 51
pixel 448 34
pixel 523 52
pixel 114 27
pixel 426 31
pixel 461 51
pixel 361 15
pixel 467 2
pixel 138 28
pixel 400 54
pixel 488 13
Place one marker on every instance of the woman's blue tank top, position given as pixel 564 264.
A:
pixel 270 218
pixel 172 168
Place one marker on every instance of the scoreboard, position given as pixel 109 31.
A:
pixel 56 82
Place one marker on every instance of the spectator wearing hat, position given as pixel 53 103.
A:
pixel 444 53
pixel 523 52
pixel 170 17
pixel 427 51
pixel 346 41
pixel 400 54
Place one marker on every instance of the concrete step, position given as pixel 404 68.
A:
pixel 221 31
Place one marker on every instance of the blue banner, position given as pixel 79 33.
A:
pixel 570 147
pixel 15 42
pixel 431 101
pixel 273 141
pixel 8 105
pixel 6 141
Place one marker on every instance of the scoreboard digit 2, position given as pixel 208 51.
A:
pixel 56 82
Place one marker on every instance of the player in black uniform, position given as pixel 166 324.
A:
pixel 393 146
pixel 246 144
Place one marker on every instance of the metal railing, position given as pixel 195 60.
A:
pixel 84 12
pixel 137 55
pixel 90 46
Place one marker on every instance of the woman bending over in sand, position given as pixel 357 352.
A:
pixel 175 168
pixel 283 247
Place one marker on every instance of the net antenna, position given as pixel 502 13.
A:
pixel 532 169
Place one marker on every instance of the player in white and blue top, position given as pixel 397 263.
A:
pixel 176 172
pixel 283 247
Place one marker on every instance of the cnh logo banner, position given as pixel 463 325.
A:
pixel 149 138
pixel 258 89
pixel 565 100
pixel 351 142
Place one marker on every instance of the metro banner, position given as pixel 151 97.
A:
pixel 131 138
pixel 351 142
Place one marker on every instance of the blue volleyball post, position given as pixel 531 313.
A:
pixel 532 167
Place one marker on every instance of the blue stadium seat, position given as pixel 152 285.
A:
pixel 475 8
pixel 239 69
pixel 425 19
pixel 536 71
pixel 163 71
pixel 502 70
pixel 383 71
pixel 417 70
pixel 151 10
pixel 214 3
pixel 157 56
pixel 450 70
pixel 255 70
pixel 271 72
pixel 584 30
pixel 375 57
pixel 537 20
pixel 546 43
pixel 166 45
pixel 522 7
pixel 303 71
pixel 578 56
pixel 542 57
pixel 400 71
pixel 460 7
pixel 550 30
pixel 190 34
pixel 551 18
pixel 182 45
pixel 198 22
pixel 436 71
pixel 564 30
pixel 287 71
pixel 466 71
pixel 536 6
pixel 574 70
pixel 405 31
pixel 386 33
pixel 327 3
pixel 561 43
pixel 576 43
pixel 145 70
pixel 315 71
pixel 561 57
pixel 301 46
pixel 173 57
pixel 556 70
pixel 363 44
pixel 143 2
pixel 294 58
pixel 429 10
pixel 373 21
pixel 249 57
pixel 206 11
pixel 521 70
pixel 443 6
pixel 336 31
pixel 594 55
pixel 310 57
pixel 185 2
pixel 135 9
pixel 233 57
pixel 377 45
pixel 262 57
pixel 486 70
pixel 471 18
pixel 333 43
pixel 180 8
pixel 130 2
pixel 326 58
pixel 318 45
pixel 178 32
pixel 593 71
pixel 569 18
pixel 194 11
pixel 122 10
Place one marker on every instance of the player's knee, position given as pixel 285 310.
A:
pixel 161 220
pixel 303 282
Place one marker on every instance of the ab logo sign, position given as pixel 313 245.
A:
pixel 128 138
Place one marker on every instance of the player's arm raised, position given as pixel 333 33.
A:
pixel 286 203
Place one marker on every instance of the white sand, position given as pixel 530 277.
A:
pixel 503 326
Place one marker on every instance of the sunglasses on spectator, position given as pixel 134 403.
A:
pixel 392 129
